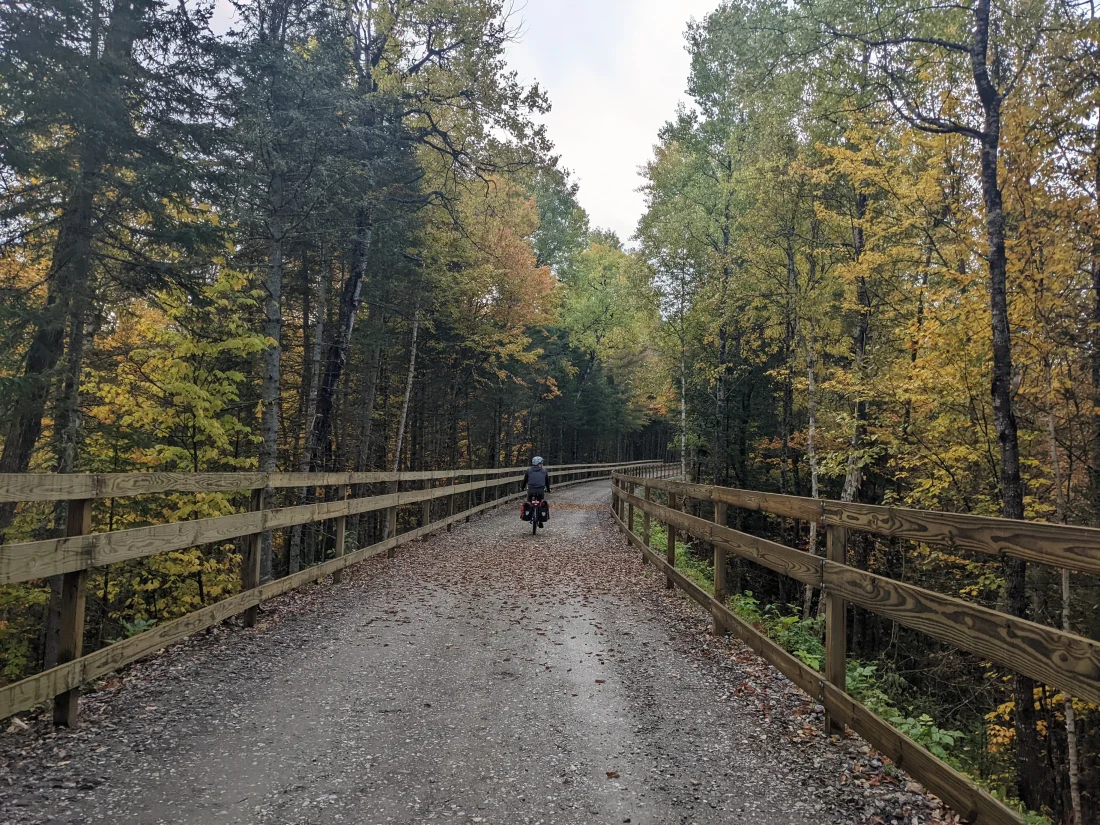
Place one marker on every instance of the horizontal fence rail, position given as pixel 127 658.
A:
pixel 74 555
pixel 1054 657
pixel 1058 545
pixel 53 487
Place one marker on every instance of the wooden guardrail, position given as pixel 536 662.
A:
pixel 1051 656
pixel 80 549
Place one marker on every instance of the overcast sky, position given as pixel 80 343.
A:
pixel 614 71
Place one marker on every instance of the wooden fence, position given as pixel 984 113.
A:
pixel 80 549
pixel 1051 656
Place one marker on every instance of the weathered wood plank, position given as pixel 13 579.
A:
pixel 1051 656
pixel 957 790
pixel 1068 546
pixel 720 594
pixel 807 509
pixel 58 487
pixel 341 533
pixel 670 521
pixel 74 592
pixel 39 559
pixel 786 560
pixel 46 486
pixel 51 487
pixel 34 690
pixel 250 563
pixel 1061 545
pixel 836 619
pixel 780 505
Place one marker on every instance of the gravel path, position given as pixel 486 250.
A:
pixel 482 676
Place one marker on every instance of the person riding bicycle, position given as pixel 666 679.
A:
pixel 537 483
pixel 536 480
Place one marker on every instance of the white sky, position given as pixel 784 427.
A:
pixel 614 71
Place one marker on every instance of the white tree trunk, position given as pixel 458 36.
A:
pixel 811 454
pixel 408 393
pixel 683 412
pixel 1060 517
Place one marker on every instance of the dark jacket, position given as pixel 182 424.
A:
pixel 536 478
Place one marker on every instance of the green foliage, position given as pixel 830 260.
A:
pixel 866 681
pixel 22 612
pixel 134 627
pixel 799 636
pixel 688 561
pixel 872 687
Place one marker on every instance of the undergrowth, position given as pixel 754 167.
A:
pixel 874 684
pixel 868 682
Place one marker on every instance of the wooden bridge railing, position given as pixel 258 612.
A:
pixel 80 549
pixel 1051 656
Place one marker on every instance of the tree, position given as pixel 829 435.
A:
pixel 108 125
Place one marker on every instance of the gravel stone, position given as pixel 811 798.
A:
pixel 483 676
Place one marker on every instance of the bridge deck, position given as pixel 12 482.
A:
pixel 482 676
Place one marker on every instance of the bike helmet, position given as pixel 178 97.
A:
pixel 536 460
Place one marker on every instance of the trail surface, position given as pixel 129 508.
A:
pixel 482 676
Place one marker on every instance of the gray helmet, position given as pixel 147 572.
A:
pixel 536 460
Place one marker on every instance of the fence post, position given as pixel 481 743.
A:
pixel 341 531
pixel 391 519
pixel 719 566
pixel 670 555
pixel 426 505
pixel 630 488
pixel 74 591
pixel 451 504
pixel 648 493
pixel 836 621
pixel 471 497
pixel 250 564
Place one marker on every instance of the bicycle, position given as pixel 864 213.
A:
pixel 536 511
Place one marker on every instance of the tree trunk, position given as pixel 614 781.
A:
pixel 338 351
pixel 70 273
pixel 366 412
pixel 790 330
pixel 811 454
pixel 311 377
pixel 1029 769
pixel 71 265
pixel 1094 264
pixel 853 476
pixel 683 410
pixel 1072 758
pixel 408 392
pixel 273 352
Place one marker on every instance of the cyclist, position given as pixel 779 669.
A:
pixel 537 479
